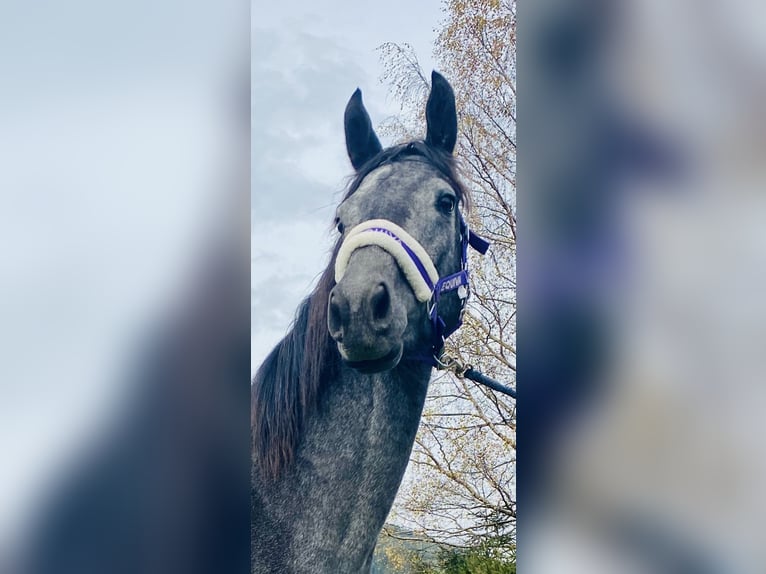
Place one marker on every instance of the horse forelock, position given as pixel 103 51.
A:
pixel 446 164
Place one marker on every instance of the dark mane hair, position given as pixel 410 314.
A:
pixel 289 382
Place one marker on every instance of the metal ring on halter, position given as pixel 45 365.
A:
pixel 441 364
pixel 447 363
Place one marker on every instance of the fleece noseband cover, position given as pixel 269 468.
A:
pixel 412 259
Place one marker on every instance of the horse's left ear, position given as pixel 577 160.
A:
pixel 441 116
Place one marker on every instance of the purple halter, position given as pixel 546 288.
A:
pixel 419 269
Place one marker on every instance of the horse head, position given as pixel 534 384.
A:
pixel 402 234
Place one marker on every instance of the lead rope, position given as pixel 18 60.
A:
pixel 447 363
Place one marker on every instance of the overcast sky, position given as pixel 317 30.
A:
pixel 307 59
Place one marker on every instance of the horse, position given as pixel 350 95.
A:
pixel 337 403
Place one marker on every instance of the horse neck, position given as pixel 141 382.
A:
pixel 374 415
pixel 330 505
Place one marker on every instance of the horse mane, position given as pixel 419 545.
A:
pixel 288 383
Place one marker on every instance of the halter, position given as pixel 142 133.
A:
pixel 418 269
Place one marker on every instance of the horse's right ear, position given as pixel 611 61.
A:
pixel 361 142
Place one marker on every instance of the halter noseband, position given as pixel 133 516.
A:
pixel 418 269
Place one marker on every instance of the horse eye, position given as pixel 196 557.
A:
pixel 447 203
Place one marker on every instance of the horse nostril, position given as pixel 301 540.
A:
pixel 334 319
pixel 380 302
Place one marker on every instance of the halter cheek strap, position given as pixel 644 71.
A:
pixel 418 268
pixel 457 281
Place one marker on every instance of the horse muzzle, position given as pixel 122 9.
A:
pixel 366 316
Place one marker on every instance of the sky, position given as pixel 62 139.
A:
pixel 307 59
pixel 116 129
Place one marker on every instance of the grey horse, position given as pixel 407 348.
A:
pixel 337 403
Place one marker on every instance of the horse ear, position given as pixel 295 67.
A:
pixel 441 116
pixel 361 142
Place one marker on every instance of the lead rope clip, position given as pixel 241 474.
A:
pixel 447 363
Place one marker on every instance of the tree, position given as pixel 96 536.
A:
pixel 460 489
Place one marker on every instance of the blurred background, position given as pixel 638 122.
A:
pixel 641 183
pixel 124 171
